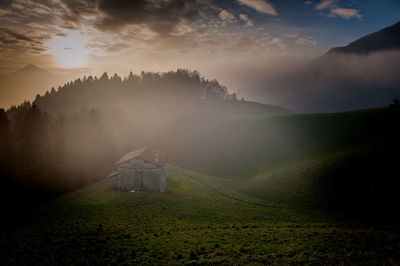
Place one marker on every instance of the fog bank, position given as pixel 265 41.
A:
pixel 326 84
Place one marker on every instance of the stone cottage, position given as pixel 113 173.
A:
pixel 140 170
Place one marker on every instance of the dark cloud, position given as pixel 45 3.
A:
pixel 12 41
pixel 30 12
pixel 5 3
pixel 61 34
pixel 161 17
pixel 14 35
pixel 76 9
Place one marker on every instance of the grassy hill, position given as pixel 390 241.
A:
pixel 190 223
pixel 344 161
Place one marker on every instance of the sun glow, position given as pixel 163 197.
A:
pixel 69 50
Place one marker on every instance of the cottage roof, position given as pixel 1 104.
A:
pixel 146 154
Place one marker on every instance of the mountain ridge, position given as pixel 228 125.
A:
pixel 30 68
pixel 385 39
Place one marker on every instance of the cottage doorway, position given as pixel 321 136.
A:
pixel 139 180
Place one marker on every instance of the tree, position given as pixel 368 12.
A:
pixel 395 102
pixel 104 77
pixel 5 135
pixel 34 137
pixel 234 97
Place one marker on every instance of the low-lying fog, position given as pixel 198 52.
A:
pixel 328 83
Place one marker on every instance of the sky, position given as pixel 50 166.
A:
pixel 214 37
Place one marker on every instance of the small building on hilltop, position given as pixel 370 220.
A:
pixel 140 170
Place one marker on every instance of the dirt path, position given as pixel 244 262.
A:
pixel 225 187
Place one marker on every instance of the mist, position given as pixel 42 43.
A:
pixel 72 136
pixel 330 83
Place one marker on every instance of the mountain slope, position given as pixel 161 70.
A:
pixel 383 40
pixel 30 70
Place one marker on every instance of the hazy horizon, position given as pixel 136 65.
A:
pixel 289 81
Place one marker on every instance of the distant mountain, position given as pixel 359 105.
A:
pixel 30 70
pixel 385 39
pixel 25 83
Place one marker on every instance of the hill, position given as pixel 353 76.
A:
pixel 340 161
pixel 188 224
pixel 383 40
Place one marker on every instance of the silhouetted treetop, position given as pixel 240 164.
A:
pixel 180 86
pixel 104 76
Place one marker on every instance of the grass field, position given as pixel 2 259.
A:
pixel 190 223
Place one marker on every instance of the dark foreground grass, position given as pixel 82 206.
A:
pixel 188 224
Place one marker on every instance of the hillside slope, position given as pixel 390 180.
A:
pixel 344 161
pixel 233 109
pixel 189 223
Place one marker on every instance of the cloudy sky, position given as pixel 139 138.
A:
pixel 212 36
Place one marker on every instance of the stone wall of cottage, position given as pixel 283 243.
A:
pixel 138 175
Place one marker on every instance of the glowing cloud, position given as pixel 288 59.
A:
pixel 225 15
pixel 260 5
pixel 247 20
pixel 325 4
pixel 69 50
pixel 346 13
